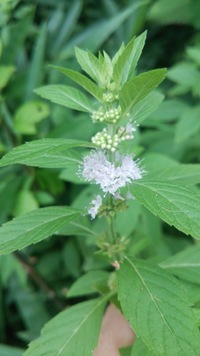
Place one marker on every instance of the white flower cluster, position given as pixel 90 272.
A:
pixel 95 205
pixel 112 115
pixel 109 176
pixel 105 141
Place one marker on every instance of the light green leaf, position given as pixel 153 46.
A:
pixel 5 74
pixel 127 61
pixel 169 110
pixel 72 332
pixel 99 69
pixel 6 350
pixel 185 264
pixel 33 227
pixel 194 54
pixel 46 153
pixel 138 87
pixel 157 308
pixel 67 96
pixel 146 106
pixel 88 283
pixel 188 124
pixel 25 202
pixel 187 174
pixel 177 205
pixel 185 74
pixel 89 63
pixel 28 115
pixel 82 80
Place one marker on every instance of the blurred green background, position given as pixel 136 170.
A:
pixel 34 34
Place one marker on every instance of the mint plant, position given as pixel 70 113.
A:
pixel 149 294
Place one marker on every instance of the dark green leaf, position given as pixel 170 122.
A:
pixel 138 87
pixel 177 205
pixel 157 308
pixel 49 153
pixel 33 227
pixel 72 332
pixel 67 96
pixel 82 80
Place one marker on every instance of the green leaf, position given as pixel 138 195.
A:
pixel 25 202
pixel 185 264
pixel 33 227
pixel 5 73
pixel 99 69
pixel 185 74
pixel 72 332
pixel 138 87
pixel 127 61
pixel 146 107
pixel 88 283
pixel 28 115
pixel 46 153
pixel 36 70
pixel 177 205
pixel 160 166
pixel 140 349
pixel 6 350
pixel 82 80
pixel 89 63
pixel 186 174
pixel 194 54
pixel 169 110
pixel 188 124
pixel 95 35
pixel 157 308
pixel 67 96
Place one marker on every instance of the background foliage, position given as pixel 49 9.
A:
pixel 38 282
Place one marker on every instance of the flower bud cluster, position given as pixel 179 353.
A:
pixel 107 142
pixel 111 115
pixel 109 97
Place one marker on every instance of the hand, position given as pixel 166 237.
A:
pixel 115 333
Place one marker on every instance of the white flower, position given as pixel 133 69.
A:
pixel 110 176
pixel 95 205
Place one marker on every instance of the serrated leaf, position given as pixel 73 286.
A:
pixel 139 87
pixel 127 61
pixel 177 205
pixel 157 308
pixel 185 264
pixel 82 80
pixel 33 227
pixel 67 96
pixel 46 153
pixel 72 332
pixel 88 283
